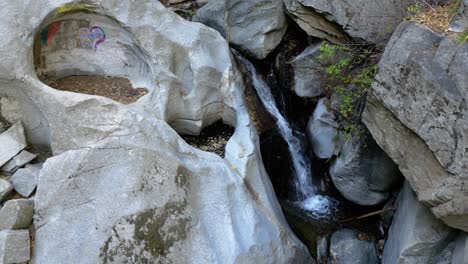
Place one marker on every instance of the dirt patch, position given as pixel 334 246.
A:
pixel 116 88
pixel 438 18
pixel 212 139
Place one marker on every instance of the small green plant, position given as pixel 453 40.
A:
pixel 349 77
pixel 416 8
pixel 327 50
pixel 454 9
pixel 463 38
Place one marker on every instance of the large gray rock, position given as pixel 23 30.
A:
pixel 25 180
pixel 256 26
pixel 14 246
pixel 370 20
pixel 459 22
pixel 417 112
pixel 6 188
pixel 16 214
pixel 213 14
pixel 322 131
pixel 415 235
pixel 12 142
pixel 309 73
pixel 123 186
pixel 346 248
pixel 314 23
pixel 363 173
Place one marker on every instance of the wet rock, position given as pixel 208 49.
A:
pixel 23 158
pixel 322 131
pixel 12 142
pixel 213 15
pixel 345 247
pixel 6 188
pixel 415 235
pixel 25 180
pixel 14 246
pixel 459 22
pixel 16 214
pixel 363 173
pixel 257 27
pixel 322 250
pixel 372 21
pixel 417 112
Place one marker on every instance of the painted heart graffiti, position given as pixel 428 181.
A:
pixel 92 36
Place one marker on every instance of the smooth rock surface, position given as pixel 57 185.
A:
pixel 23 158
pixel 346 248
pixel 363 173
pixel 25 180
pixel 370 20
pixel 123 186
pixel 12 142
pixel 417 112
pixel 213 14
pixel 16 214
pixel 6 188
pixel 257 27
pixel 322 131
pixel 415 235
pixel 14 246
pixel 459 22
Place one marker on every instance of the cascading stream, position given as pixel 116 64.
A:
pixel 305 189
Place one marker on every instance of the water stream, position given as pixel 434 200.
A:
pixel 307 196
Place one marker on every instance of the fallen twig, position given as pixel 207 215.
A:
pixel 368 215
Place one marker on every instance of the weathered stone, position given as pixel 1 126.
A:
pixel 415 235
pixel 16 214
pixel 257 27
pixel 213 15
pixel 25 180
pixel 23 158
pixel 322 131
pixel 123 186
pixel 14 246
pixel 460 251
pixel 6 188
pixel 12 142
pixel 313 23
pixel 459 22
pixel 363 173
pixel 345 247
pixel 370 20
pixel 309 72
pixel 417 113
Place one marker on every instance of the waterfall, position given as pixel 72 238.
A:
pixel 306 192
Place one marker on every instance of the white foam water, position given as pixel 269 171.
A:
pixel 317 205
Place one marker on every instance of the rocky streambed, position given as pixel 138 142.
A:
pixel 132 132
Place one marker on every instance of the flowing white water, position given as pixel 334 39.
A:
pixel 305 189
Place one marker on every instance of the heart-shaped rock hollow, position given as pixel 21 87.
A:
pixel 90 47
pixel 92 36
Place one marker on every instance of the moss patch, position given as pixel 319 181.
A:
pixel 147 237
